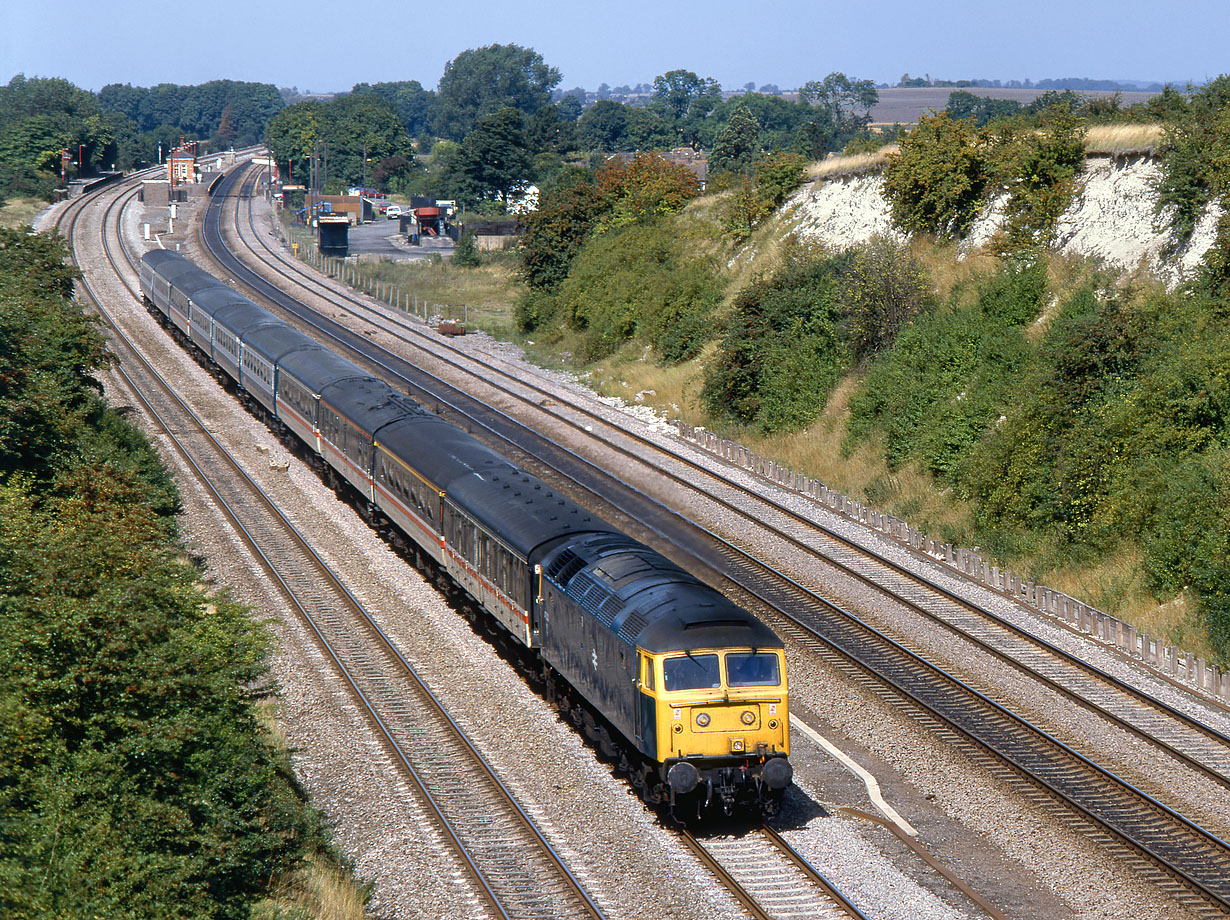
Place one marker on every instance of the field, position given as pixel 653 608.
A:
pixel 906 104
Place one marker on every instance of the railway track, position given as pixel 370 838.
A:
pixel 1156 839
pixel 769 877
pixel 515 871
pixel 1187 739
pixel 471 808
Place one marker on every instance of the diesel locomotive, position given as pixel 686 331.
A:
pixel 676 685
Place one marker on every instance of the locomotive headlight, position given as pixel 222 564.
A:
pixel 748 717
pixel 702 719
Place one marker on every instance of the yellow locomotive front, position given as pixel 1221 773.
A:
pixel 721 724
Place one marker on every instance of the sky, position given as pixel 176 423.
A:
pixel 330 46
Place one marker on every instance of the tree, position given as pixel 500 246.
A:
pixel 684 99
pixel 494 156
pixel 480 81
pixel 964 105
pixel 738 145
pixel 348 129
pixel 604 126
pixel 408 98
pixel 843 110
pixel 554 234
pixel 938 181
pixel 550 131
pixel 882 289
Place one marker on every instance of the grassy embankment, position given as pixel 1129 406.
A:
pixel 20 212
pixel 1112 579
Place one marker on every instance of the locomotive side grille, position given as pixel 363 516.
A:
pixel 632 627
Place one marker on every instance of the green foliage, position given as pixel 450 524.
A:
pixel 39 119
pixel 408 98
pixel 135 780
pixel 484 80
pixel 1039 168
pixel 738 144
pixel 1195 168
pixel 465 254
pixel 782 353
pixel 643 281
pixel 947 170
pixel 644 188
pixel 939 180
pixel 981 110
pixel 774 178
pixel 228 112
pixel 554 234
pixel 495 158
pixel 347 129
pixel 882 289
pixel 945 381
pixel 684 100
pixel 604 126
pixel 846 103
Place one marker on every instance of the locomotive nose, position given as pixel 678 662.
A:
pixel 777 773
pixel 683 777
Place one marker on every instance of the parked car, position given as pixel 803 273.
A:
pixel 393 211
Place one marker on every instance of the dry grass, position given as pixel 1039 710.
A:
pixel 1100 140
pixel 1123 140
pixel 672 390
pixel 20 212
pixel 485 296
pixel 315 892
pixel 853 165
pixel 1116 586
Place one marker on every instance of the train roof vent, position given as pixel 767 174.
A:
pixel 589 595
pixel 564 566
pixel 632 626
pixel 610 609
pixel 714 624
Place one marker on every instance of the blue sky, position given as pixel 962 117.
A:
pixel 331 46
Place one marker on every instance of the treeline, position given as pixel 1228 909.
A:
pixel 494 126
pixel 123 127
pixel 39 118
pixel 223 113
pixel 135 778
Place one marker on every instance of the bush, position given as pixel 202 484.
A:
pixel 939 180
pixel 645 282
pixel 1195 168
pixel 782 353
pixel 883 288
pixel 1039 168
pixel 135 778
pixel 945 381
pixel 465 254
pixel 754 198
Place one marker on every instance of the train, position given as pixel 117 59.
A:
pixel 682 690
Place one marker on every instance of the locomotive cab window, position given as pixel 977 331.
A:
pixel 752 669
pixel 691 672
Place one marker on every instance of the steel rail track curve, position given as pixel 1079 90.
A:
pixel 1196 739
pixel 507 897
pixel 1160 836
